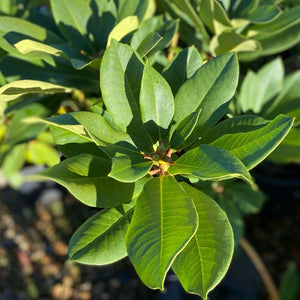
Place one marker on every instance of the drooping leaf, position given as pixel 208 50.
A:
pixel 210 89
pixel 129 168
pixel 209 163
pixel 183 67
pixel 251 145
pixel 156 103
pixel 121 95
pixel 85 176
pixel 14 90
pixel 264 13
pixel 101 239
pixel 163 223
pixel 205 260
pixel 126 26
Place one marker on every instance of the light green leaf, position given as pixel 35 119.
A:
pixel 232 41
pixel 126 26
pixel 205 260
pixel 210 89
pixel 258 90
pixel 251 144
pixel 40 153
pixel 163 223
pixel 15 89
pixel 72 16
pixel 85 176
pixel 129 168
pixel 101 239
pixel 28 46
pixel 180 133
pixel 182 68
pixel 156 103
pixel 121 95
pixel 210 163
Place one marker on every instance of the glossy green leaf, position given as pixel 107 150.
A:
pixel 101 239
pixel 163 223
pixel 209 163
pixel 258 90
pixel 180 133
pixel 72 16
pixel 210 89
pixel 14 90
pixel 182 68
pixel 156 103
pixel 126 26
pixel 121 95
pixel 129 168
pixel 85 176
pixel 251 144
pixel 205 260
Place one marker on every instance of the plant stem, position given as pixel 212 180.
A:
pixel 174 43
pixel 261 268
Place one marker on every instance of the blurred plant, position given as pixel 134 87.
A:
pixel 253 28
pixel 289 284
pixel 268 93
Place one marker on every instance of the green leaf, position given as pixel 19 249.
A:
pixel 15 89
pixel 210 163
pixel 186 7
pixel 126 26
pixel 163 223
pixel 40 153
pixel 289 284
pixel 276 36
pixel 129 168
pixel 214 16
pixel 182 68
pixel 132 8
pixel 148 43
pixel 72 16
pixel 28 46
pixel 264 13
pixel 251 144
pixel 121 95
pixel 156 103
pixel 210 89
pixel 9 26
pixel 101 239
pixel 205 260
pixel 258 90
pixel 85 176
pixel 180 133
pixel 232 41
